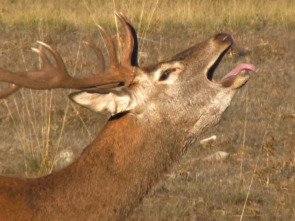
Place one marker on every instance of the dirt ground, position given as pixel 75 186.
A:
pixel 256 181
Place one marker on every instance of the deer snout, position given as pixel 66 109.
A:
pixel 224 37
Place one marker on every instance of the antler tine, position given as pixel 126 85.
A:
pixel 13 88
pixel 40 51
pixel 60 65
pixel 100 67
pixel 130 51
pixel 56 76
pixel 111 47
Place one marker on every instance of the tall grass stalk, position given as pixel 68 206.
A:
pixel 255 169
pixel 244 136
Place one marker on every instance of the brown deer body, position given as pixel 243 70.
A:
pixel 165 107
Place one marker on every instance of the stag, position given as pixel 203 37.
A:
pixel 157 113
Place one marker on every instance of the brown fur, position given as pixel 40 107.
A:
pixel 113 173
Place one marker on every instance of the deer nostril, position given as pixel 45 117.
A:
pixel 223 37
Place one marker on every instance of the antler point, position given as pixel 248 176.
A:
pixel 41 42
pixel 119 15
pixel 35 50
pixel 86 42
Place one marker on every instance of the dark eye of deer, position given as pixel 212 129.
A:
pixel 166 73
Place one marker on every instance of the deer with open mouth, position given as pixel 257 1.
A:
pixel 157 112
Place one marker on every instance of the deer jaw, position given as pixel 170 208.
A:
pixel 180 89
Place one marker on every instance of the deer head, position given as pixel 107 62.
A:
pixel 180 89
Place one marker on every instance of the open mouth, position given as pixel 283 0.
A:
pixel 239 70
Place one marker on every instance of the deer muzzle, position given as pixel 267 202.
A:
pixel 239 75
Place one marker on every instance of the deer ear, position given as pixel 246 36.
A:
pixel 113 102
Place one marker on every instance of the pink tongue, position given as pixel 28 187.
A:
pixel 239 69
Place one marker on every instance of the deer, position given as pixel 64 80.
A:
pixel 156 113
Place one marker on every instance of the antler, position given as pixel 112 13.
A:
pixel 51 76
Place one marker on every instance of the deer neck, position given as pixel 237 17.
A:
pixel 117 169
pixel 133 153
pixel 127 143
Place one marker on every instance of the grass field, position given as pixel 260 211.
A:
pixel 41 130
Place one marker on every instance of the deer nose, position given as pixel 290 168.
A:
pixel 224 37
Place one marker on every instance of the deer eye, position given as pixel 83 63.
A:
pixel 165 74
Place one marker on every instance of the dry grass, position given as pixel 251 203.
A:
pixel 256 182
pixel 209 14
